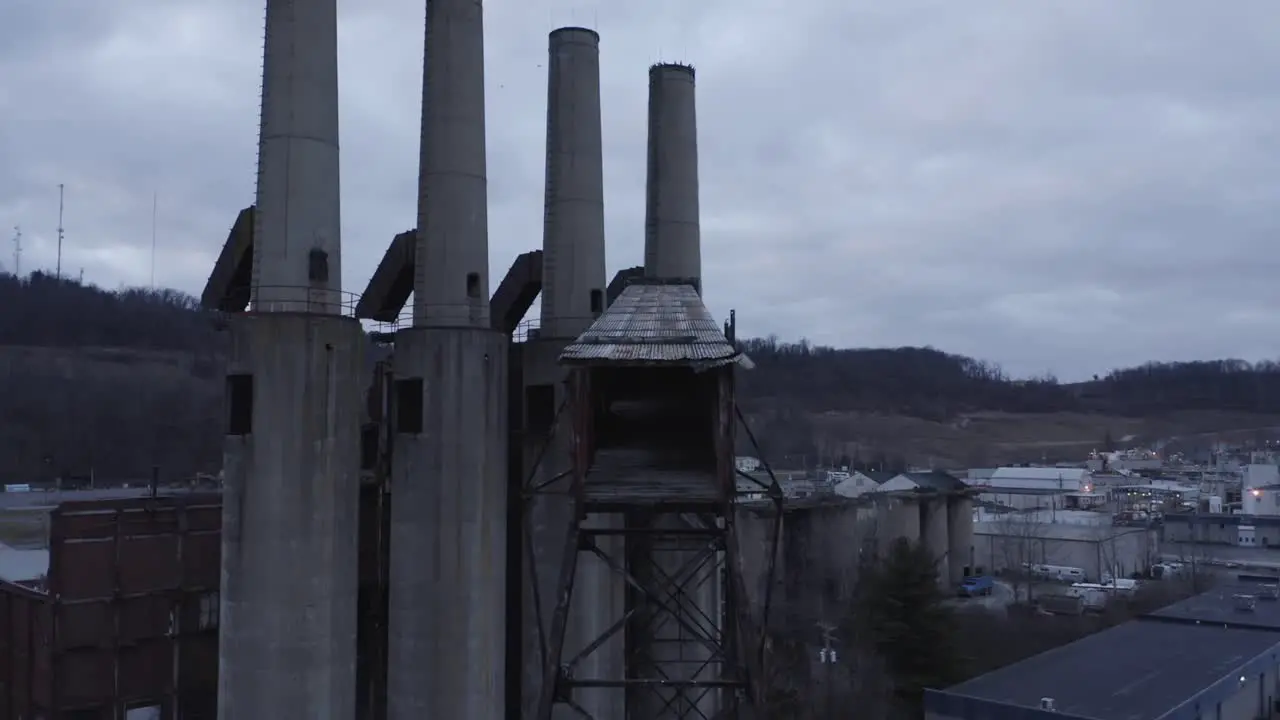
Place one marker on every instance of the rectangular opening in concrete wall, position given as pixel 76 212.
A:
pixel 239 404
pixel 318 266
pixel 540 407
pixel 409 408
pixel 369 446
pixel 597 303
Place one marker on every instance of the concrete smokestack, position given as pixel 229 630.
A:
pixel 672 241
pixel 573 226
pixel 292 451
pixel 447 583
pixel 573 295
pixel 297 263
pixel 451 276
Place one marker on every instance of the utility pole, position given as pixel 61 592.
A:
pixel 58 270
pixel 155 200
pixel 827 656
pixel 17 251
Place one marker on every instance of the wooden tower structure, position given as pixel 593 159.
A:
pixel 651 408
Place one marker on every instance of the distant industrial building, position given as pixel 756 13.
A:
pixel 1128 460
pixel 1154 496
pixel 119 617
pixel 1034 487
pixel 1260 495
pixel 861 482
pixel 1223 529
pixel 1075 539
pixel 1215 656
pixel 1255 523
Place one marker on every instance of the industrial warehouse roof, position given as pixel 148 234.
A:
pixel 1219 606
pixel 653 324
pixel 1141 670
pixel 935 480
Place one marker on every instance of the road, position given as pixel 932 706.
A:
pixel 43 500
pixel 1002 596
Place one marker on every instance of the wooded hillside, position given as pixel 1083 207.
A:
pixel 119 381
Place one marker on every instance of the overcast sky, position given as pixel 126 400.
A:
pixel 1060 186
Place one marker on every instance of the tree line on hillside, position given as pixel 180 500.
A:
pixel 157 400
pixel 143 389
pixel 43 310
pixel 928 383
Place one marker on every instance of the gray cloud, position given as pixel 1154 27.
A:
pixel 1056 186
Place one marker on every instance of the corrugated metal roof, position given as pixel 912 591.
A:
pixel 653 324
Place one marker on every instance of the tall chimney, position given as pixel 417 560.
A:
pixel 451 274
pixel 287 621
pixel 297 249
pixel 672 243
pixel 447 588
pixel 573 269
pixel 573 295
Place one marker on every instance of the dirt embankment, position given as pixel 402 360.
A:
pixel 994 438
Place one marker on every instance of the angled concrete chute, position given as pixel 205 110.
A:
pixel 388 290
pixel 620 281
pixel 516 293
pixel 227 289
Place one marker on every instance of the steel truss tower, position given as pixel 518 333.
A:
pixel 651 411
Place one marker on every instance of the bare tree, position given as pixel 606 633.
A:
pixel 1022 540
pixel 819 660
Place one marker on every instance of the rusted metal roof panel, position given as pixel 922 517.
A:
pixel 665 324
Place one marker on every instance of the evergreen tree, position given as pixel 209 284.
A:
pixel 913 631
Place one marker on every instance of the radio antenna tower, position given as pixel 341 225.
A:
pixel 155 202
pixel 58 269
pixel 17 251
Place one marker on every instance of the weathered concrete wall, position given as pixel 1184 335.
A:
pixel 1094 550
pixel 960 550
pixel 447 604
pixel 821 544
pixel 934 534
pixel 289 539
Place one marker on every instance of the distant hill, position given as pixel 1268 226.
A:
pixel 119 381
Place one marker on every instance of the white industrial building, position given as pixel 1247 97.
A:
pixel 1261 490
pixel 1035 487
pixel 859 482
pixel 1076 539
